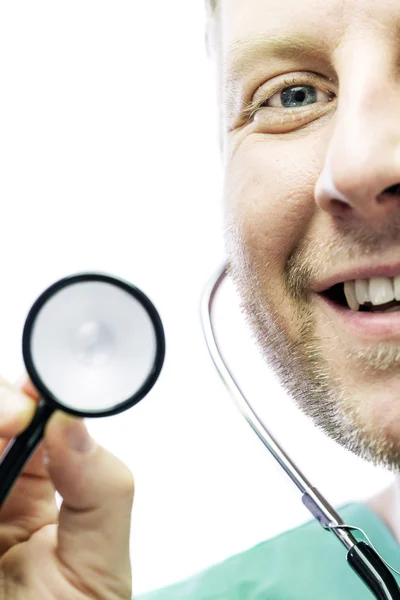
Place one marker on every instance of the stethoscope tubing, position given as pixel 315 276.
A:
pixel 361 557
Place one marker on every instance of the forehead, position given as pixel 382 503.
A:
pixel 240 15
pixel 251 28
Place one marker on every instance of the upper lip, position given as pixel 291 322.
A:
pixel 357 273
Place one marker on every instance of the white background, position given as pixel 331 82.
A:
pixel 109 161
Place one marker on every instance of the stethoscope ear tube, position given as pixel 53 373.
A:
pixel 369 567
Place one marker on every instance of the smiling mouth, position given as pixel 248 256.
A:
pixel 374 295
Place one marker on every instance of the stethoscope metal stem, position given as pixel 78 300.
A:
pixel 312 499
pixel 363 559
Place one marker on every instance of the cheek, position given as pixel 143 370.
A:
pixel 268 195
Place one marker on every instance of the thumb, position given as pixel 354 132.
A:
pixel 94 523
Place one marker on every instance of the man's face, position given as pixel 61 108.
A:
pixel 312 160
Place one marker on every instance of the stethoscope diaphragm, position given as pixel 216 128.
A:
pixel 93 346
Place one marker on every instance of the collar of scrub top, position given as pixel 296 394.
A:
pixel 361 556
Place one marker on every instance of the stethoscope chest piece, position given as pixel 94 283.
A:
pixel 93 346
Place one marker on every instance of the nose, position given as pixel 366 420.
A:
pixel 360 179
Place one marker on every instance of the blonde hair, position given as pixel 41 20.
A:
pixel 211 6
pixel 212 36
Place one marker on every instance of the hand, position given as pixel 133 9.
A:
pixel 82 551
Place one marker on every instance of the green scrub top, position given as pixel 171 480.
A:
pixel 306 563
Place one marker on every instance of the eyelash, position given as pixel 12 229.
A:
pixel 255 105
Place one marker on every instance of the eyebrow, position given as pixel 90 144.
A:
pixel 242 53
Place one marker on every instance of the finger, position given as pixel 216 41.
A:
pixel 27 387
pixel 23 388
pixel 31 502
pixel 16 409
pixel 94 522
pixel 30 506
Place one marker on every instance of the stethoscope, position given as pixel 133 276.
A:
pixel 93 346
pixel 362 557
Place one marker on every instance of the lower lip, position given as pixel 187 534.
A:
pixel 366 324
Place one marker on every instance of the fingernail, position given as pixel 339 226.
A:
pixel 22 379
pixel 13 403
pixel 26 385
pixel 78 437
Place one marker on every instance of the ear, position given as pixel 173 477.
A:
pixel 211 26
pixel 213 48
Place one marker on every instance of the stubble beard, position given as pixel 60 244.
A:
pixel 302 366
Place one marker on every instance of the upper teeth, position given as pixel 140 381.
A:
pixel 377 290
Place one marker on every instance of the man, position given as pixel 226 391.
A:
pixel 312 231
pixel 312 209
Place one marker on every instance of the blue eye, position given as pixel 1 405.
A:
pixel 291 95
pixel 298 95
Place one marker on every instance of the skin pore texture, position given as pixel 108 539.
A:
pixel 306 178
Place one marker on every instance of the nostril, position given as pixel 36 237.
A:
pixel 338 208
pixel 393 189
pixel 341 205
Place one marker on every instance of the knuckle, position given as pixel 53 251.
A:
pixel 124 485
pixel 128 483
